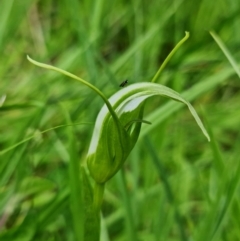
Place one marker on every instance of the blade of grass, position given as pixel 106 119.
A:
pixel 51 211
pixel 226 52
pixel 129 224
pixel 75 180
pixel 169 193
pixel 41 132
pixel 217 156
pixel 6 7
pixel 228 195
pixel 13 159
pixel 144 39
pixel 96 19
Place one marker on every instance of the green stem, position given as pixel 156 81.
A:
pixel 96 208
pixel 170 56
pixel 98 196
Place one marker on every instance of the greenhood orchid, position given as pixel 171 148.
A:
pixel 116 132
pixel 119 122
pixel 113 140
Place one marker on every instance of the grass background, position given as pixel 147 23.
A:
pixel 175 185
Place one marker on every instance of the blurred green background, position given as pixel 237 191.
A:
pixel 179 186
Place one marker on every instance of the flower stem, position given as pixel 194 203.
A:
pixel 98 196
pixel 170 56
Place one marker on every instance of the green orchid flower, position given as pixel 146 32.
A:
pixel 113 139
pixel 119 123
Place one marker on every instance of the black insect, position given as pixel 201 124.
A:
pixel 124 83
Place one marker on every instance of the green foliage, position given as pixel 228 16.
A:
pixel 174 185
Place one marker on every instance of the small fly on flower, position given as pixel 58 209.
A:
pixel 124 83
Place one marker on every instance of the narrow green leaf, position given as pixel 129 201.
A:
pixel 31 137
pixel 226 52
pixel 76 184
